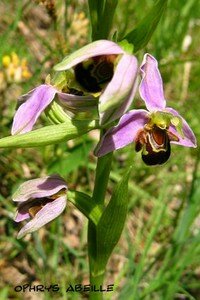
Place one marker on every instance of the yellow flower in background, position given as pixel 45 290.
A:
pixel 15 59
pixel 15 69
pixel 6 60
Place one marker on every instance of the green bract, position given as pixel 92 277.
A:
pixel 48 135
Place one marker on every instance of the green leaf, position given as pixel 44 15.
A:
pixel 85 204
pixel 101 16
pixel 71 160
pixel 93 11
pixel 141 35
pixel 189 215
pixel 111 223
pixel 107 18
pixel 48 135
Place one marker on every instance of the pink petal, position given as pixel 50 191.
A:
pixel 70 100
pixel 124 133
pixel 35 103
pixel 151 86
pixel 39 188
pixel 101 47
pixel 119 93
pixel 48 213
pixel 22 215
pixel 189 139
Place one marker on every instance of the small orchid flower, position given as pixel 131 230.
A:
pixel 41 200
pixel 103 73
pixel 153 129
pixel 106 71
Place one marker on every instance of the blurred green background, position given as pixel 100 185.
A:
pixel 158 254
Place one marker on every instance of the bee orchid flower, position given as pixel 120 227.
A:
pixel 104 76
pixel 105 70
pixel 152 130
pixel 40 201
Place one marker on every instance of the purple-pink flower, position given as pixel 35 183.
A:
pixel 153 129
pixel 40 201
pixel 104 77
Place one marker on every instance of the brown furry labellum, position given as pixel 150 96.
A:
pixel 155 145
pixel 93 73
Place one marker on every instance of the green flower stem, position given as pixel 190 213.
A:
pixel 96 275
pixel 98 17
pixel 101 181
pixel 97 284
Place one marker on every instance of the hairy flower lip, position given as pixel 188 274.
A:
pixel 151 88
pixel 95 73
pixel 47 196
pixel 154 144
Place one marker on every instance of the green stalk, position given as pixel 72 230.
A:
pixel 97 284
pixel 98 17
pixel 101 181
